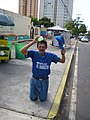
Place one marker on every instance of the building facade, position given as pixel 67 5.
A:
pixel 21 27
pixel 59 11
pixel 28 7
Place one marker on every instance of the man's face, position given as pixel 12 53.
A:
pixel 41 48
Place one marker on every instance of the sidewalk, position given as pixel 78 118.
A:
pixel 14 89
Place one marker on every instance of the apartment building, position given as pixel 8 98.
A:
pixel 28 7
pixel 59 11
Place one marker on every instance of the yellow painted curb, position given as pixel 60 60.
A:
pixel 57 100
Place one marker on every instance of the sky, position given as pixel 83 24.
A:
pixel 81 8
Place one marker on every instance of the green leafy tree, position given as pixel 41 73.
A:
pixel 46 22
pixel 70 25
pixel 88 33
pixel 82 28
pixel 76 27
pixel 34 20
pixel 43 21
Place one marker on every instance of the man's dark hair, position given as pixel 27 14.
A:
pixel 42 42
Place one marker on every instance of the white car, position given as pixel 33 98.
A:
pixel 84 39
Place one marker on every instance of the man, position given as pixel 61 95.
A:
pixel 40 68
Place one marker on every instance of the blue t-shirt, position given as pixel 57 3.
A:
pixel 41 64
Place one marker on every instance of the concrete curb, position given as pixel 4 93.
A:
pixel 58 97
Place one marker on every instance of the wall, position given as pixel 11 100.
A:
pixel 22 24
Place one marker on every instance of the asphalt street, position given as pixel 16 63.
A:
pixel 83 83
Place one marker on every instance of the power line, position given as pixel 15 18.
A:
pixel 65 7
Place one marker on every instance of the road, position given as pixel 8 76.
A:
pixel 83 83
pixel 76 101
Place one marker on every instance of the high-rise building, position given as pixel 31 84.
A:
pixel 28 7
pixel 59 11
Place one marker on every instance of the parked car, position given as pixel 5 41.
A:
pixel 84 39
pixel 88 37
pixel 79 37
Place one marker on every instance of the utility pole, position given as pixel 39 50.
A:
pixel 78 24
pixel 78 16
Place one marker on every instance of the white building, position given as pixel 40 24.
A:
pixel 59 11
pixel 22 24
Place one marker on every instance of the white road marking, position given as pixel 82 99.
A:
pixel 72 112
